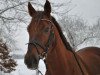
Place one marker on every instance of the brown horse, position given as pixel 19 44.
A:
pixel 46 40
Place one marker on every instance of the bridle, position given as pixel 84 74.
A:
pixel 45 47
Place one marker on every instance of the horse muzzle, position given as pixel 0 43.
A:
pixel 31 62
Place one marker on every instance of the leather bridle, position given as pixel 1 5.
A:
pixel 45 47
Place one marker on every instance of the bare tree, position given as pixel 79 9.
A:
pixel 10 19
pixel 96 29
pixel 14 16
pixel 77 30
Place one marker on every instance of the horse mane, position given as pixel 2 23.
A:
pixel 67 45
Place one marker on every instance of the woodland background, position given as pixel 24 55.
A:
pixel 14 20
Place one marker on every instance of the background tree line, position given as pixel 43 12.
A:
pixel 79 32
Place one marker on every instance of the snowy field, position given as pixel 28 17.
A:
pixel 21 69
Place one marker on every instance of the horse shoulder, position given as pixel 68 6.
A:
pixel 91 58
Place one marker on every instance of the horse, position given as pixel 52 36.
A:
pixel 47 41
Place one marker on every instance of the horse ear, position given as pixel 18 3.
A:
pixel 47 8
pixel 31 10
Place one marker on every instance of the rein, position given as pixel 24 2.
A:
pixel 46 47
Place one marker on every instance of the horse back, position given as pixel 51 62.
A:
pixel 90 57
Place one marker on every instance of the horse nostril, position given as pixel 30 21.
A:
pixel 31 62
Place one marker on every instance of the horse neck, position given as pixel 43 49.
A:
pixel 61 61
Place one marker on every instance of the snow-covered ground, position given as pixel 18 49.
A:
pixel 21 69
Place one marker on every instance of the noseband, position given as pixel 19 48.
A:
pixel 45 47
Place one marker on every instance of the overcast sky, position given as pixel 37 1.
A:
pixel 87 9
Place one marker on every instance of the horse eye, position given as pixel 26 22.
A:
pixel 46 30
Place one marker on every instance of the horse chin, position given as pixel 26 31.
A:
pixel 33 67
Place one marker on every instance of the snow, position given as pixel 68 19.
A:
pixel 21 69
